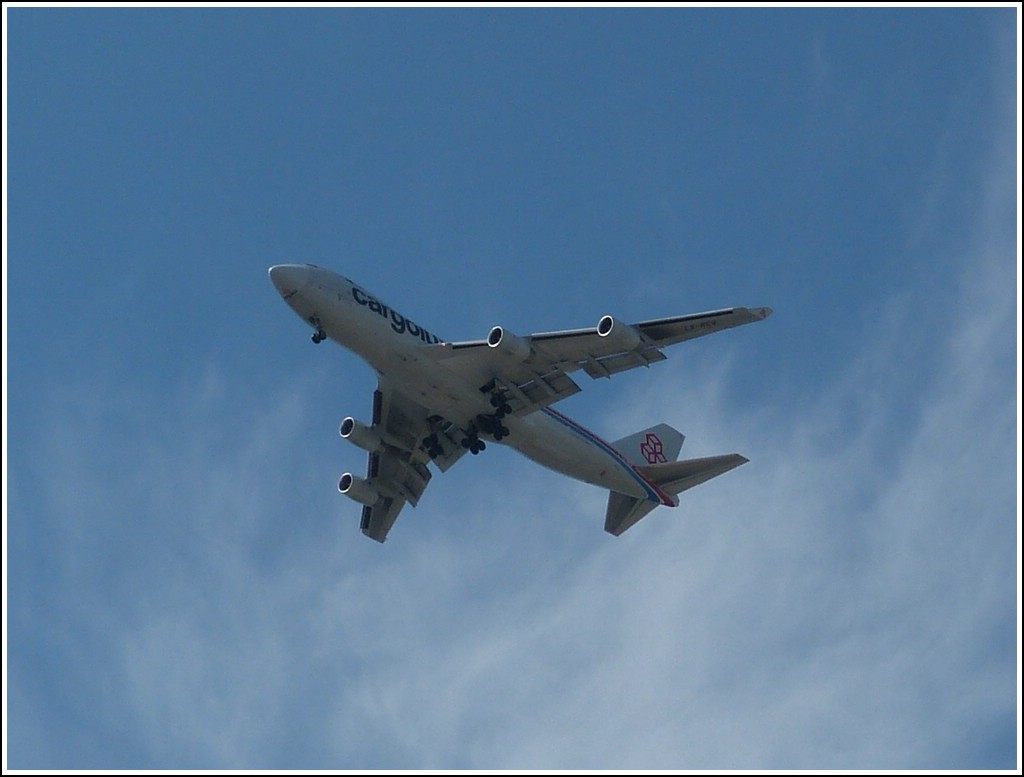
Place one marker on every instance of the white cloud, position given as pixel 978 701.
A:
pixel 843 601
pixel 811 610
pixel 846 600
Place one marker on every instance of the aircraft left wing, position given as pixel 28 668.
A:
pixel 534 371
pixel 395 482
pixel 396 471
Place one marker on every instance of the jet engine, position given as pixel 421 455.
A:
pixel 508 344
pixel 362 435
pixel 620 336
pixel 358 489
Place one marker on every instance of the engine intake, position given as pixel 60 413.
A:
pixel 508 344
pixel 619 336
pixel 358 489
pixel 360 434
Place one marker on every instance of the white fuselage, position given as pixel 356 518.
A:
pixel 397 348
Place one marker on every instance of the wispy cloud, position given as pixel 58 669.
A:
pixel 842 601
pixel 845 600
pixel 183 594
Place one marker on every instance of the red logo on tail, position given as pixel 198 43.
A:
pixel 652 450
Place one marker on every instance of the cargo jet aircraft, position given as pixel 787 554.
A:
pixel 436 400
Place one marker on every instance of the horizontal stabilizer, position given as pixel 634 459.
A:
pixel 624 511
pixel 678 476
pixel 673 477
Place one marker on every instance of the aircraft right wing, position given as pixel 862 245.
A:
pixel 534 371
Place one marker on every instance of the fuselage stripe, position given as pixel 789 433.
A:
pixel 654 493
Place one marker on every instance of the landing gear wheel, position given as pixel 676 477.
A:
pixel 477 446
pixel 319 336
pixel 433 446
pixel 501 406
pixel 491 425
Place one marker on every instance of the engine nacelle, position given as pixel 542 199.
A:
pixel 508 344
pixel 360 434
pixel 620 336
pixel 358 489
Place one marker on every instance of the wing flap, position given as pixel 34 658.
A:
pixel 607 366
pixel 395 475
pixel 397 480
pixel 377 521
pixel 534 390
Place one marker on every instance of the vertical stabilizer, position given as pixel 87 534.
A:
pixel 658 445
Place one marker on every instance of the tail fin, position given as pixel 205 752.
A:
pixel 656 445
pixel 673 477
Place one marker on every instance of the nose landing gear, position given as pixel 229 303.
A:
pixel 319 335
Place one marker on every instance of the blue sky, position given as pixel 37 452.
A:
pixel 186 589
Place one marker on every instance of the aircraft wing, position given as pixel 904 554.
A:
pixel 534 370
pixel 397 472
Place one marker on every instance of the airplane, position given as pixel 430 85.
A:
pixel 437 400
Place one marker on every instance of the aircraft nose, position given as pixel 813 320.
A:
pixel 288 279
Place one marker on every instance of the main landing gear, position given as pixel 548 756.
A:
pixel 492 425
pixel 486 423
pixel 474 444
pixel 470 442
pixel 433 446
pixel 498 400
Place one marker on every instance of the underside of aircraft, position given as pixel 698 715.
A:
pixel 437 400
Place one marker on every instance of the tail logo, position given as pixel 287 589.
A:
pixel 652 450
